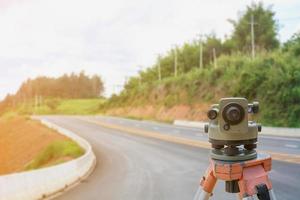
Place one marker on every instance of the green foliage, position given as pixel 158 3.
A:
pixel 265 30
pixel 55 153
pixel 72 107
pixel 293 44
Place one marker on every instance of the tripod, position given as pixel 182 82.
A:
pixel 248 178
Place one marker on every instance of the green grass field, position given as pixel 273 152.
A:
pixel 79 106
pixel 62 106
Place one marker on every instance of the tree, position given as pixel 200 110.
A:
pixel 53 103
pixel 293 44
pixel 265 28
pixel 66 86
pixel 97 86
pixel 211 42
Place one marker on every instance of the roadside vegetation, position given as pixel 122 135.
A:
pixel 51 106
pixel 26 144
pixel 272 76
pixel 55 153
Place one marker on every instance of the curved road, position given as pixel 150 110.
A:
pixel 136 168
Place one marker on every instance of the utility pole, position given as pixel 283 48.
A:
pixel 40 100
pixel 252 36
pixel 126 80
pixel 14 102
pixel 159 68
pixel 140 77
pixel 23 98
pixel 175 61
pixel 35 103
pixel 215 58
pixel 200 51
pixel 116 88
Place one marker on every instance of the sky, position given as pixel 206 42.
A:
pixel 115 38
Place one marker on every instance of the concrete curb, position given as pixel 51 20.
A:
pixel 51 181
pixel 272 131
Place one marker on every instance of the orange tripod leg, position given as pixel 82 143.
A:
pixel 208 182
pixel 252 177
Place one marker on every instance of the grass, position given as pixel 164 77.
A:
pixel 55 153
pixel 79 106
pixel 9 115
pixel 62 106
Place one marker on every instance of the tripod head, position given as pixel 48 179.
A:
pixel 232 136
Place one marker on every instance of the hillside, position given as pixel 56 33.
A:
pixel 271 78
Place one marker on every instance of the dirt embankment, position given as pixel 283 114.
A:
pixel 21 140
pixel 161 113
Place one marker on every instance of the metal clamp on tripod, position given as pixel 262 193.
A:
pixel 233 156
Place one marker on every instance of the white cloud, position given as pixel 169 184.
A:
pixel 110 38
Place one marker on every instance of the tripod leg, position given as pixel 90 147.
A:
pixel 208 183
pixel 204 195
pixel 255 181
pixel 238 197
pixel 272 194
pixel 249 198
pixel 263 192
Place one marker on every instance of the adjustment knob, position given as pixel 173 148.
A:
pixel 259 127
pixel 255 107
pixel 206 128
pixel 212 114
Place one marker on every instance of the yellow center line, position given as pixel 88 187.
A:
pixel 290 158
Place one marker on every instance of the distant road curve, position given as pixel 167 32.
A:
pixel 131 167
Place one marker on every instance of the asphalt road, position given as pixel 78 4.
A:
pixel 287 145
pixel 136 168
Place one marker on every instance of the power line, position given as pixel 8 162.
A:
pixel 140 76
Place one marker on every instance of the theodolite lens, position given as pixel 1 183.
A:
pixel 212 114
pixel 233 113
